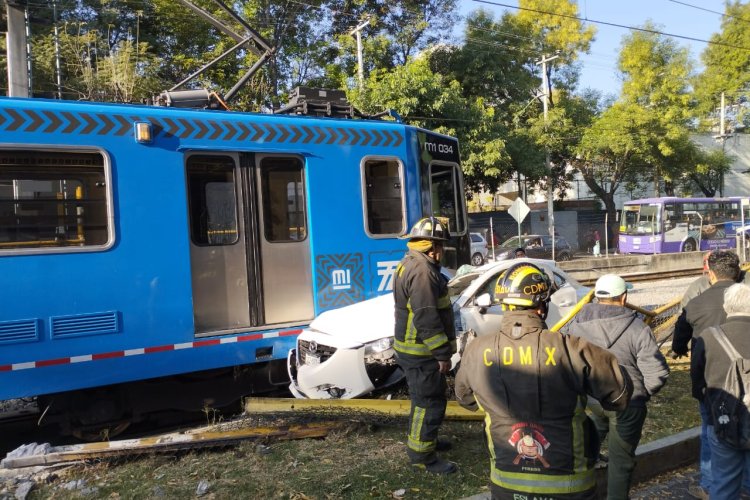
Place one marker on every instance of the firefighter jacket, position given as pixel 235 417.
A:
pixel 532 385
pixel 424 316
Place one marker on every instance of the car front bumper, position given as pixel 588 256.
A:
pixel 339 373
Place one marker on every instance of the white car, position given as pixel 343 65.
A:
pixel 479 249
pixel 348 352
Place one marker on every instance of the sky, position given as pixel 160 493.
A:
pixel 678 17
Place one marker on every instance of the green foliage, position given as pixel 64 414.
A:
pixel 709 172
pixel 727 66
pixel 558 33
pixel 92 70
pixel 430 100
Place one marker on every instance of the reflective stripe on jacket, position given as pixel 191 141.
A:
pixel 532 385
pixel 424 315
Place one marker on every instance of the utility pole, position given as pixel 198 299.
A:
pixel 360 65
pixel 58 73
pixel 15 43
pixel 723 138
pixel 548 165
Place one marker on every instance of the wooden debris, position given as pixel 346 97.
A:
pixel 390 407
pixel 167 443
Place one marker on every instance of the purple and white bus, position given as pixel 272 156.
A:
pixel 664 225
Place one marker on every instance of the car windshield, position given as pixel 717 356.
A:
pixel 516 241
pixel 459 283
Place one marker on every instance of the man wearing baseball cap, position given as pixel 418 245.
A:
pixel 609 324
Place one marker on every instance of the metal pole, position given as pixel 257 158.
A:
pixel 58 73
pixel 27 24
pixel 722 133
pixel 360 65
pixel 547 163
pixel 15 38
pixel 606 235
pixel 492 239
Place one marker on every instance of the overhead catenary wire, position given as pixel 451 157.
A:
pixel 616 25
pixel 709 10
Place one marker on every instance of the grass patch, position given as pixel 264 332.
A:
pixel 362 461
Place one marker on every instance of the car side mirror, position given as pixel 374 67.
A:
pixel 483 302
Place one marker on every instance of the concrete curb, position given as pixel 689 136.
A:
pixel 654 458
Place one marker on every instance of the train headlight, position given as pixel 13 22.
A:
pixel 143 133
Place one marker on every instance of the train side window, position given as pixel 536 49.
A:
pixel 212 200
pixel 284 213
pixel 383 196
pixel 54 199
pixel 446 192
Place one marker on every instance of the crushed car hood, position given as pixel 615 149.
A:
pixel 362 322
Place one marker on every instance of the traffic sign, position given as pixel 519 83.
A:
pixel 519 210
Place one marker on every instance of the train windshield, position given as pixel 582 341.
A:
pixel 641 219
pixel 447 197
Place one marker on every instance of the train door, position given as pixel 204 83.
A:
pixel 249 251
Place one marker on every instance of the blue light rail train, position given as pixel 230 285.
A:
pixel 143 248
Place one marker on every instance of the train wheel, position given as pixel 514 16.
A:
pixel 104 433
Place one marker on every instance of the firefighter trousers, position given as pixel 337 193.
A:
pixel 427 388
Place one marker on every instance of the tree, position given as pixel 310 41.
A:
pixel 430 100
pixel 94 71
pixel 498 63
pixel 645 134
pixel 726 61
pixel 612 151
pixel 708 175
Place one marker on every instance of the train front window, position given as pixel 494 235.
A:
pixel 53 199
pixel 447 199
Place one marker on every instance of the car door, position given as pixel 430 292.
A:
pixel 482 319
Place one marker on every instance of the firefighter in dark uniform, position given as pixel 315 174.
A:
pixel 425 341
pixel 532 385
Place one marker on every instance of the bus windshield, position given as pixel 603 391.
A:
pixel 640 219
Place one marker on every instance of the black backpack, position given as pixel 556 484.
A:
pixel 730 406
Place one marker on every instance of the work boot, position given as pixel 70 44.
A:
pixel 443 444
pixel 439 466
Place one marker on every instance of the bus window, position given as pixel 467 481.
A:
pixel 213 203
pixel 629 219
pixel 445 190
pixel 383 196
pixel 53 199
pixel 641 219
pixel 284 215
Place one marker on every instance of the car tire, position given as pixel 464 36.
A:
pixel 689 245
pixel 564 256
pixel 477 259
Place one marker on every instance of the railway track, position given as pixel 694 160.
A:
pixel 655 276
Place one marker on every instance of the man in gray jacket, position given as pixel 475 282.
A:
pixel 609 324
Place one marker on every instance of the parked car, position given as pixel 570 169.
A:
pixel 537 246
pixel 348 352
pixel 478 249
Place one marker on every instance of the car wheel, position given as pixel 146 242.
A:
pixel 564 256
pixel 477 259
